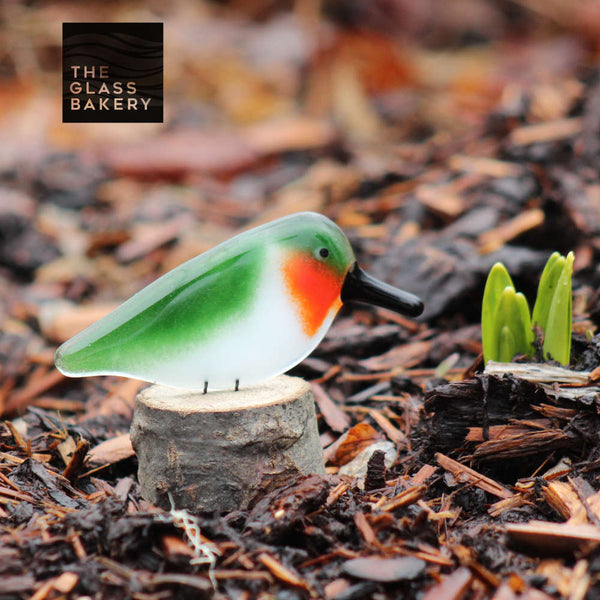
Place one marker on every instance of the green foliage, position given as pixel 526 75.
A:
pixel 557 329
pixel 506 326
pixel 546 289
pixel 497 280
pixel 505 321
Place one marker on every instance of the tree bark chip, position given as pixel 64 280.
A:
pixel 223 450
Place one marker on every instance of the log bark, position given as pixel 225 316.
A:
pixel 223 450
pixel 513 410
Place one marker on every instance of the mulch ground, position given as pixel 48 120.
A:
pixel 440 145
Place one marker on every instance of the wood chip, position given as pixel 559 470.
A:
pixel 485 166
pixel 360 520
pixel 571 583
pixel 334 416
pixel 19 400
pixel 452 587
pixel 496 238
pixel 65 582
pixel 385 569
pixel 466 474
pixel 16 495
pixel 399 357
pixel 392 432
pixel 546 132
pixel 43 590
pixel 244 575
pixel 66 449
pixel 76 462
pixel 404 498
pixel 281 572
pixel 504 592
pixel 441 201
pixel 17 584
pixel 564 499
pixel 111 451
pixel 423 475
pixel 146 238
pixel 501 506
pixel 168 155
pixel 174 546
pixel 121 399
pixel 61 320
pixel 555 538
pixel 289 134
pixel 335 588
pixel 521 444
pixel 23 446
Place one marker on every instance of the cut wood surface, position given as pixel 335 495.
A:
pixel 538 372
pixel 223 450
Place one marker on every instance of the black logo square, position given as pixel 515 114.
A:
pixel 112 72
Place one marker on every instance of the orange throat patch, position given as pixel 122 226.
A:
pixel 314 289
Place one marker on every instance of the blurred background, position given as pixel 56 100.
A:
pixel 440 135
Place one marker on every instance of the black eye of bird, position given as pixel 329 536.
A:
pixel 323 253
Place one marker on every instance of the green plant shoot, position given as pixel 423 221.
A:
pixel 506 345
pixel 512 332
pixel 546 289
pixel 559 323
pixel 498 279
pixel 506 325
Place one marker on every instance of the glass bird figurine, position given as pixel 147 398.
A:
pixel 244 311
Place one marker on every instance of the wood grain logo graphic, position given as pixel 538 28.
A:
pixel 112 72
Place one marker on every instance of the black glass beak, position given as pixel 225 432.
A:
pixel 362 287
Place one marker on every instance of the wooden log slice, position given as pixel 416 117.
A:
pixel 223 450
